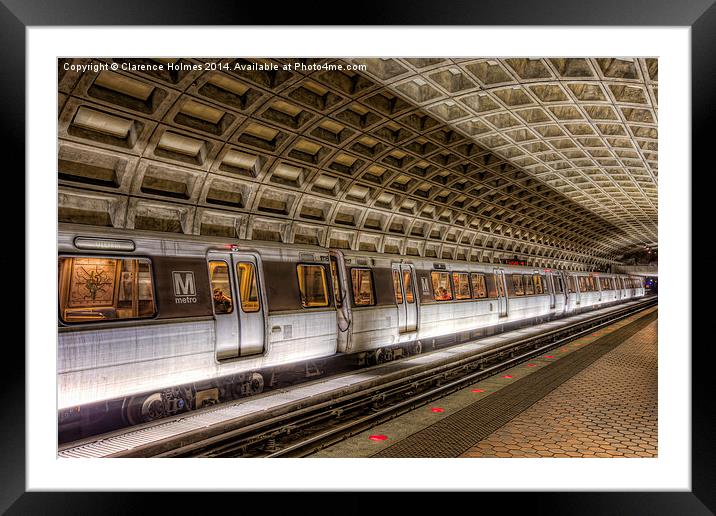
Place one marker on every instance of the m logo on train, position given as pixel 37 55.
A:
pixel 184 287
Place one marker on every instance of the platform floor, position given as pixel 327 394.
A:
pixel 594 397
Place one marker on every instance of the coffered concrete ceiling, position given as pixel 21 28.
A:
pixel 551 160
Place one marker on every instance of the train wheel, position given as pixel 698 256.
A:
pixel 141 409
pixel 379 356
pixel 256 384
pixel 382 355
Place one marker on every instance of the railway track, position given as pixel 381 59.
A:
pixel 306 430
pixel 297 422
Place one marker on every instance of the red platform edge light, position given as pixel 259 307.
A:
pixel 549 356
pixel 437 410
pixel 507 376
pixel 378 437
pixel 478 390
pixel 531 365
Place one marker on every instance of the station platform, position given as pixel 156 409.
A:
pixel 593 397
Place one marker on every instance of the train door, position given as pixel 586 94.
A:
pixel 252 323
pixel 238 308
pixel 598 281
pixel 622 286
pixel 344 314
pixel 559 279
pixel 571 287
pixel 501 292
pixel 562 278
pixel 550 287
pixel 407 273
pixel 404 287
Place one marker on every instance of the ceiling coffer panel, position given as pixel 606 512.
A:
pixel 551 160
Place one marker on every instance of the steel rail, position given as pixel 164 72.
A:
pixel 241 440
pixel 320 441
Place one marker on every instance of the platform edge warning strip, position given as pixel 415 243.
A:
pixel 455 434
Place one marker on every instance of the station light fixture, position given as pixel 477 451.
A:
pixel 103 244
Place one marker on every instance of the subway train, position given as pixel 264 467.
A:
pixel 151 325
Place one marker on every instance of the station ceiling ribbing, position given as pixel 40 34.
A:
pixel 550 160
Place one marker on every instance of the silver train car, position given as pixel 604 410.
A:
pixel 154 324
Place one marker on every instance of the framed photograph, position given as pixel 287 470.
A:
pixel 69 77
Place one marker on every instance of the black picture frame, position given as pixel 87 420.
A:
pixel 700 15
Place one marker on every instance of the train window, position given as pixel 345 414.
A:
pixel 500 285
pixel 517 285
pixel 336 286
pixel 461 280
pixel 408 285
pixel 442 290
pixel 491 285
pixel 582 283
pixel 479 288
pixel 529 286
pixel 312 285
pixel 539 287
pixel 221 287
pixel 604 283
pixel 362 282
pixel 558 287
pixel 396 288
pixel 570 285
pixel 99 289
pixel 248 289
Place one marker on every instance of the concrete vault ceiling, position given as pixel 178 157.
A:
pixel 553 161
